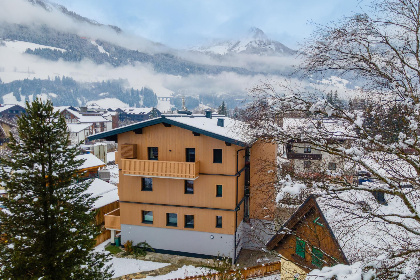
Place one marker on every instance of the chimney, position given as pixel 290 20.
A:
pixel 208 114
pixel 221 122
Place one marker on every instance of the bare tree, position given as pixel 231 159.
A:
pixel 381 52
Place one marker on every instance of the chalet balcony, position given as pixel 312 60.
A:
pixel 160 169
pixel 304 156
pixel 112 220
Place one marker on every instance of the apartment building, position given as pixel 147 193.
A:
pixel 183 184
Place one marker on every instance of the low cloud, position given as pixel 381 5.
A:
pixel 26 13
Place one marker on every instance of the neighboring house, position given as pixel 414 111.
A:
pixel 183 184
pixel 11 111
pixel 5 128
pixel 79 132
pixel 107 201
pixel 90 166
pixel 96 119
pixel 137 114
pixel 305 158
pixel 331 229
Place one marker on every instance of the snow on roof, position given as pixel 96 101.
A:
pixel 77 127
pixel 361 236
pixel 232 131
pixel 90 161
pixel 6 107
pixel 82 118
pixel 232 128
pixel 334 128
pixel 137 111
pixel 106 192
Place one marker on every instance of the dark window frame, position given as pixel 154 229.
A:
pixel 307 149
pixel 219 190
pixel 171 224
pixel 189 157
pixel 144 185
pixel 219 221
pixel 186 187
pixel 187 221
pixel 217 155
pixel 332 166
pixel 143 214
pixel 152 154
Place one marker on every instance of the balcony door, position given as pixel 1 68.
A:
pixel 190 154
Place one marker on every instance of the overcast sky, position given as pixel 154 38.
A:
pixel 186 23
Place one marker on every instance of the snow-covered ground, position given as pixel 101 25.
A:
pixel 123 266
pixel 186 270
pixel 21 46
pixel 110 156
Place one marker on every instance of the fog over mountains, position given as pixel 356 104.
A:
pixel 47 50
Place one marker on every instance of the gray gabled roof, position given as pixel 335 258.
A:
pixel 231 132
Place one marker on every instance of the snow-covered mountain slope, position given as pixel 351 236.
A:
pixel 256 42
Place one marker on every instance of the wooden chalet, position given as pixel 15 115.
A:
pixel 307 240
pixel 107 201
pixel 338 228
pixel 90 166
pixel 184 184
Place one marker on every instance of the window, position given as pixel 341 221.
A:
pixel 317 257
pixel 307 149
pixel 218 221
pixel 380 197
pixel 300 247
pixel 219 190
pixel 189 187
pixel 217 155
pixel 152 153
pixel 147 217
pixel 146 184
pixel 332 166
pixel 307 164
pixel 189 221
pixel 190 154
pixel 171 219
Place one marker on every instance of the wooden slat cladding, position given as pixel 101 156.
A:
pixel 129 151
pixel 112 220
pixel 161 169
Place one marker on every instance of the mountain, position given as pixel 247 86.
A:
pixel 256 42
pixel 50 52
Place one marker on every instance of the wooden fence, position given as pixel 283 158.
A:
pixel 245 273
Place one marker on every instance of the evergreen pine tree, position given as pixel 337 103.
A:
pixel 48 227
pixel 222 109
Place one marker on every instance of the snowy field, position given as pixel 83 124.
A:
pixel 186 270
pixel 123 266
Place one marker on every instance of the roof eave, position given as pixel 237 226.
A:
pixel 168 121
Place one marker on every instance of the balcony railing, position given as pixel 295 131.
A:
pixel 112 220
pixel 304 156
pixel 160 169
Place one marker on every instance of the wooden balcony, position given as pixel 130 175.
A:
pixel 112 220
pixel 304 156
pixel 160 169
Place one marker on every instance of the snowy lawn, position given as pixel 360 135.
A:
pixel 186 270
pixel 123 266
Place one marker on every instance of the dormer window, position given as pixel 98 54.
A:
pixel 307 149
